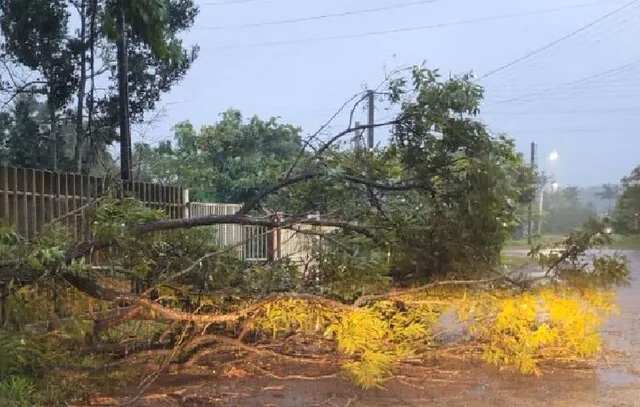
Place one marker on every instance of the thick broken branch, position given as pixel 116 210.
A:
pixel 253 202
pixel 169 314
pixel 20 272
pixel 172 224
pixel 309 174
pixel 96 290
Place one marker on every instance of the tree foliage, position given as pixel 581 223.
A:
pixel 444 191
pixel 228 161
pixel 26 142
pixel 39 38
pixel 564 210
pixel 627 210
pixel 609 193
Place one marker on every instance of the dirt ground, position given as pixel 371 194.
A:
pixel 453 383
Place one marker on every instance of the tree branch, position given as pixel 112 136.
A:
pixel 172 224
pixel 309 172
pixel 373 297
pixel 309 139
pixel 253 202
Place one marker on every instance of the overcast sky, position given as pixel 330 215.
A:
pixel 304 71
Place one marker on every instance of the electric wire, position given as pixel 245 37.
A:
pixel 557 41
pixel 226 2
pixel 589 78
pixel 319 17
pixel 599 35
pixel 394 31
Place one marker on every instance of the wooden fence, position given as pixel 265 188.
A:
pixel 30 199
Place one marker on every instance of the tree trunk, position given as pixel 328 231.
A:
pixel 92 66
pixel 53 132
pixel 80 133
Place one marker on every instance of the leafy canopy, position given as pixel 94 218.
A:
pixel 39 36
pixel 627 211
pixel 442 195
pixel 228 161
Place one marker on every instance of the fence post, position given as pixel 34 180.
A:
pixel 279 219
pixel 185 203
pixel 5 194
pixel 271 243
pixel 4 315
pixel 274 238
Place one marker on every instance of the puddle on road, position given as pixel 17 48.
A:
pixel 615 378
pixel 479 388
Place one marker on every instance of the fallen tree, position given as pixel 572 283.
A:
pixel 420 226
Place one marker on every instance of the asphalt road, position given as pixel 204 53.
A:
pixel 535 271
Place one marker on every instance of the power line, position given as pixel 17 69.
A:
pixel 488 109
pixel 598 35
pixel 407 29
pixel 616 85
pixel 604 86
pixel 515 133
pixel 557 41
pixel 621 68
pixel 223 3
pixel 634 110
pixel 599 96
pixel 320 17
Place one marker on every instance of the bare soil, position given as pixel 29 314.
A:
pixel 222 379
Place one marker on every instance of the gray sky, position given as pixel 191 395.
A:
pixel 283 70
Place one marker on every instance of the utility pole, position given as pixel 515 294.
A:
pixel 357 138
pixel 123 98
pixel 541 204
pixel 533 168
pixel 370 120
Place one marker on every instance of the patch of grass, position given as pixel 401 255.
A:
pixel 78 382
pixel 44 370
pixel 17 391
pixel 625 242
pixel 62 387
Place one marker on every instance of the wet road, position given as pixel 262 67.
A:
pixel 619 380
pixel 523 252
pixel 535 271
